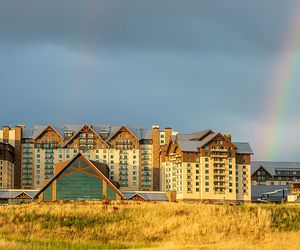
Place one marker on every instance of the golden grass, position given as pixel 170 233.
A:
pixel 93 225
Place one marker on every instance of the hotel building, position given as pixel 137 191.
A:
pixel 271 176
pixel 7 159
pixel 206 166
pixel 132 153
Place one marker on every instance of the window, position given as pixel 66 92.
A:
pixel 206 189
pixel 206 159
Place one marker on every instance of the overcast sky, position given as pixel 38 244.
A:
pixel 190 65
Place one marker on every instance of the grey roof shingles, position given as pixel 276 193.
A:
pixel 147 195
pixel 271 166
pixel 140 133
pixel 189 146
pixel 243 148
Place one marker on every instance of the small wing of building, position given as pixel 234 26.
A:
pixel 80 179
pixel 146 196
pixel 11 196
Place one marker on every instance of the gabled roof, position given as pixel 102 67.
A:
pixel 92 164
pixel 78 132
pixel 133 131
pixel 200 134
pixel 99 129
pixel 55 129
pixel 189 146
pixel 195 136
pixel 208 139
pixel 147 195
pixel 243 148
pixel 14 193
pixel 272 166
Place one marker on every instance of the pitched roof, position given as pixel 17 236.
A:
pixel 208 139
pixel 147 195
pixel 272 166
pixel 194 136
pixel 99 129
pixel 78 131
pixel 69 163
pixel 189 146
pixel 243 148
pixel 14 193
pixel 132 130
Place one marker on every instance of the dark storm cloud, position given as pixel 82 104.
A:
pixel 185 64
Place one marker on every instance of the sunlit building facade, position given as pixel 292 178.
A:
pixel 206 166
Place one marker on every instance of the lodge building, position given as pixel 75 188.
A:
pixel 204 165
pixel 271 176
pixel 132 153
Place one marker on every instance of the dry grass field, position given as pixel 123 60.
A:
pixel 92 225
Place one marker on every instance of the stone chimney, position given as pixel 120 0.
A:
pixel 155 158
pixel 168 135
pixel 18 156
pixel 6 129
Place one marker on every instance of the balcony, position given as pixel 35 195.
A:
pixel 218 155
pixel 123 152
pixel 219 184
pixel 219 173
pixel 219 160
pixel 219 178
pixel 219 149
pixel 124 143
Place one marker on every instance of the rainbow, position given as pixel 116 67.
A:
pixel 281 87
